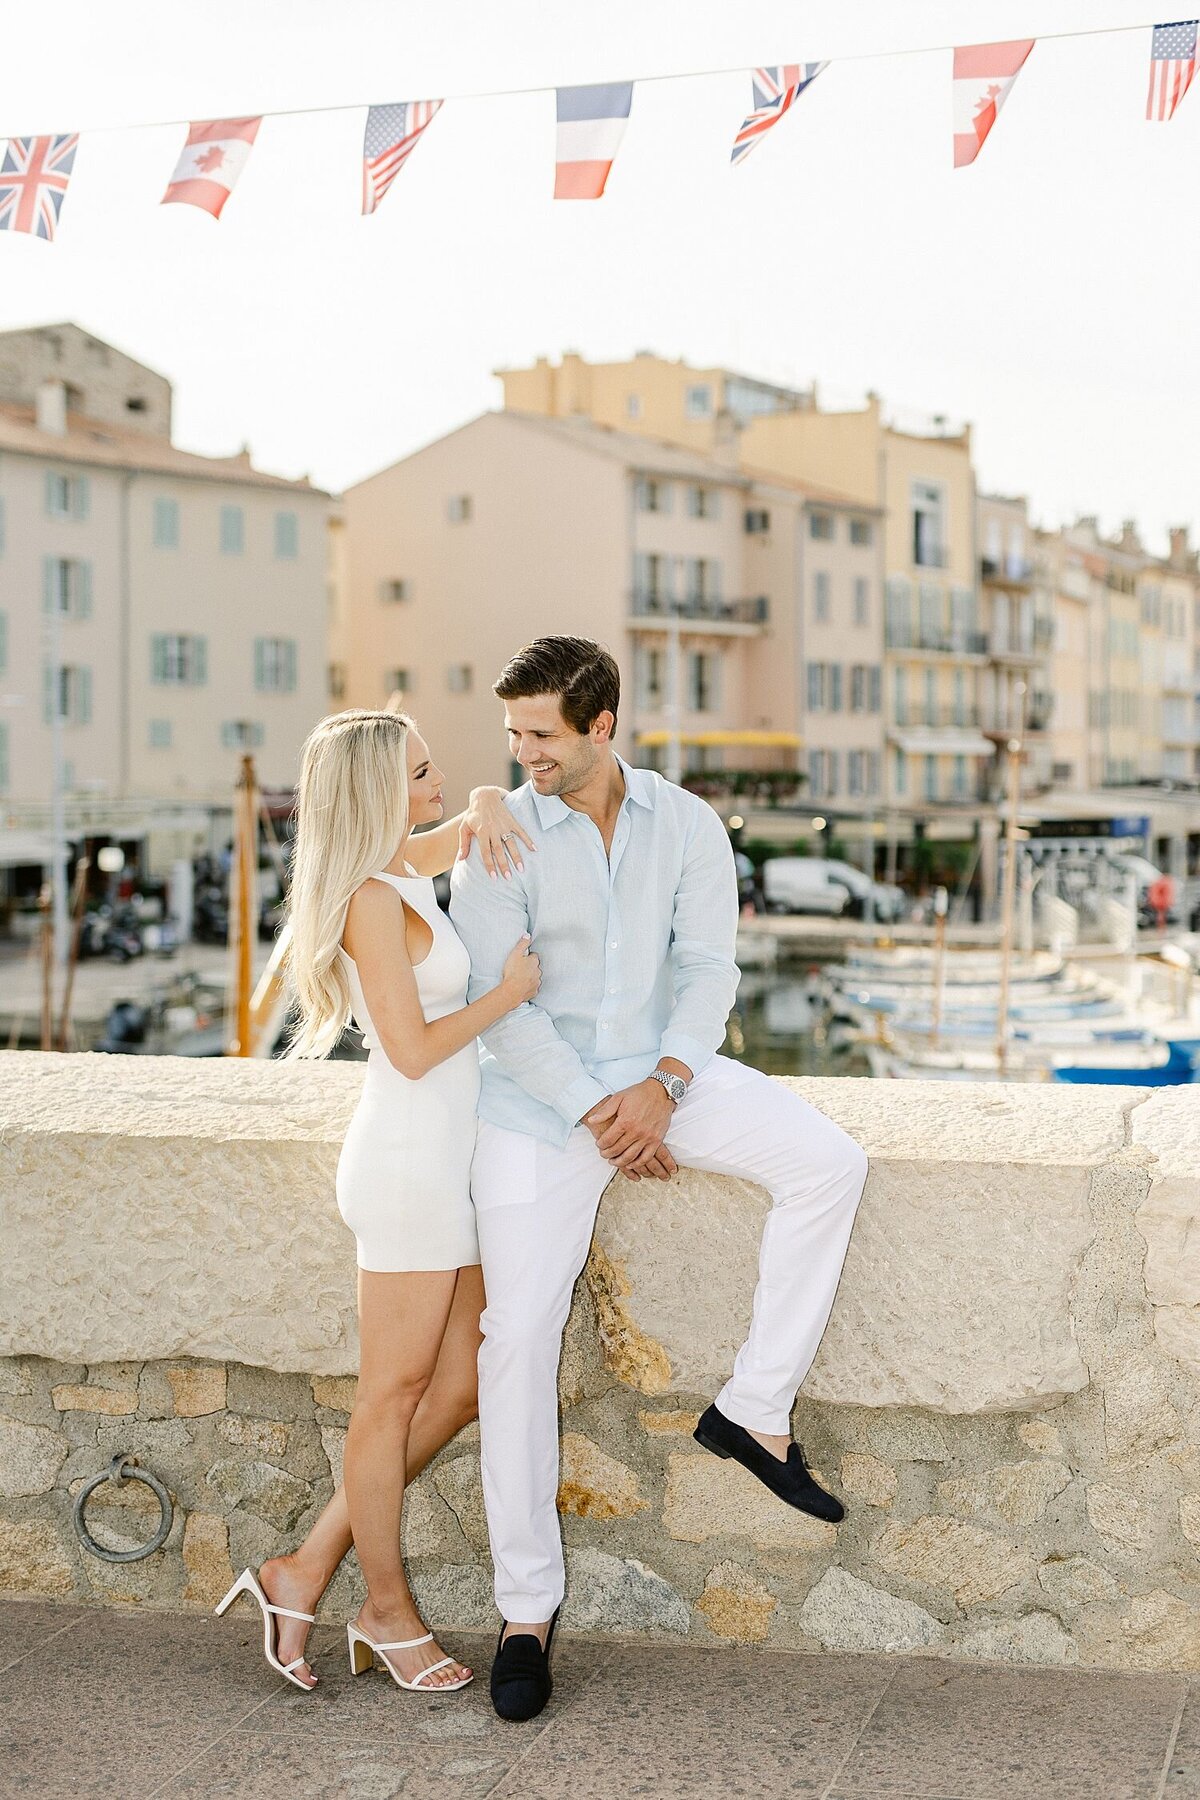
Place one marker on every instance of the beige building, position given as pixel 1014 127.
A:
pixel 1017 696
pixel 171 608
pixel 919 486
pixel 720 595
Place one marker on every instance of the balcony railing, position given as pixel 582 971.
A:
pixel 1008 569
pixel 953 643
pixel 753 611
pixel 939 718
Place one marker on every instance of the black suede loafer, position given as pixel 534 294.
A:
pixel 789 1480
pixel 521 1683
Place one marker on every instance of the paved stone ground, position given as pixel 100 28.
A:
pixel 96 1704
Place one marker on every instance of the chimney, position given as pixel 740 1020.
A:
pixel 51 408
pixel 1181 549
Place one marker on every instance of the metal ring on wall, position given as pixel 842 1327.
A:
pixel 122 1468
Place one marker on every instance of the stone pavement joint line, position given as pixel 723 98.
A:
pixel 183 1706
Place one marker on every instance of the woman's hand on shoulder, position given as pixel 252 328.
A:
pixel 500 836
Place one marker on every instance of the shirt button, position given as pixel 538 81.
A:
pixel 613 945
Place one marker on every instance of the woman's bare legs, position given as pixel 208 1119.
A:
pixel 449 1402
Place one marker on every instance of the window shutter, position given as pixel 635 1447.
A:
pixel 47 694
pixel 51 494
pixel 49 583
pixel 199 661
pixel 83 596
pixel 260 660
pixel 83 707
pixel 80 497
pixel 158 657
pixel 290 666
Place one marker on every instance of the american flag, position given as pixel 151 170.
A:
pixel 1172 65
pixel 775 89
pixel 33 180
pixel 391 137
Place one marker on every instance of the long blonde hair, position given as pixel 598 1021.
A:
pixel 351 818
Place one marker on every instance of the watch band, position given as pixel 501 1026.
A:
pixel 675 1085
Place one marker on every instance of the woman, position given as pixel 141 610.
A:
pixel 369 941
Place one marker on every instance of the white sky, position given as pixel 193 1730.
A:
pixel 1049 293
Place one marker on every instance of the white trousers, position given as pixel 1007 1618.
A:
pixel 536 1208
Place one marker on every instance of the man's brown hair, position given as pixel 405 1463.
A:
pixel 581 673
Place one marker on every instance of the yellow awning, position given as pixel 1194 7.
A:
pixel 756 740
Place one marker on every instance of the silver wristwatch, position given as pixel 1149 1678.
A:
pixel 675 1085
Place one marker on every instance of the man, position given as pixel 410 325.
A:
pixel 631 901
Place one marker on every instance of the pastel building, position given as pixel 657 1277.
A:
pixel 171 608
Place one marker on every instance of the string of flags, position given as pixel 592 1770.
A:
pixel 35 172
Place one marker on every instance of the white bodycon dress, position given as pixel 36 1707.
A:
pixel 403 1178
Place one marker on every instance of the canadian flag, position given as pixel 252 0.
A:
pixel 211 161
pixel 983 78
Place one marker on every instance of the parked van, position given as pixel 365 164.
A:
pixel 821 884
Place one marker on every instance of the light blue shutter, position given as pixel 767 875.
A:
pixel 80 497
pixel 83 710
pixel 199 661
pixel 260 662
pixel 49 583
pixel 83 597
pixel 158 657
pixel 290 666
pixel 47 694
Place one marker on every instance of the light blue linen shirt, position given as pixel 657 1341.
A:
pixel 636 948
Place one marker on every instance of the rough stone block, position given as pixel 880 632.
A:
pixel 115 1402
pixel 1040 1435
pixel 458 1481
pixel 593 1485
pixel 1138 1415
pixel 14 1377
pixel 265 1394
pixel 868 1478
pixel 269 1437
pixel 34 1559
pixel 619 1594
pixel 1163 1632
pixel 1072 1582
pixel 197 1390
pixel 1019 1493
pixel 206 1559
pixel 1033 1638
pixel 333 1442
pixel 1177 1332
pixel 30 1458
pixel 669 1424
pixel 1118 1518
pixel 844 1613
pixel 940 1553
pixel 736 1606
pixel 334 1391
pixel 1189 1518
pixel 277 1497
pixel 706 1498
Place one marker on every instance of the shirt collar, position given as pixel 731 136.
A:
pixel 639 788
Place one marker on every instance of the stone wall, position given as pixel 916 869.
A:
pixel 1006 1395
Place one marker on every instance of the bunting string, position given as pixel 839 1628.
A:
pixel 35 170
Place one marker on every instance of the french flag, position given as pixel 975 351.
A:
pixel 210 162
pixel 591 123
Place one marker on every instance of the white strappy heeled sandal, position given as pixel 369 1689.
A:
pixel 363 1653
pixel 248 1583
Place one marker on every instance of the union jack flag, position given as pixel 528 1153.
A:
pixel 775 90
pixel 391 137
pixel 33 180
pixel 1172 65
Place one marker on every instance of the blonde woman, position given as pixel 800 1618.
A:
pixel 370 941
